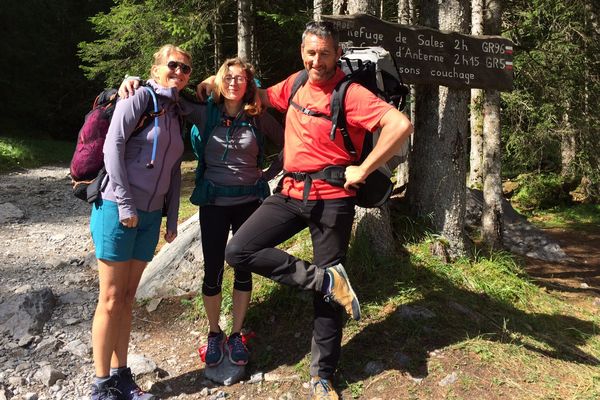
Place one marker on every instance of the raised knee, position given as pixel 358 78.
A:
pixel 234 254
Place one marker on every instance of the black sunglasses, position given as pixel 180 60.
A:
pixel 186 69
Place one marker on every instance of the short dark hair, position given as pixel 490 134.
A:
pixel 322 29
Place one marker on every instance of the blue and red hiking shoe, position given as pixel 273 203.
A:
pixel 238 352
pixel 215 349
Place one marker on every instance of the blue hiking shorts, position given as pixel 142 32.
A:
pixel 115 242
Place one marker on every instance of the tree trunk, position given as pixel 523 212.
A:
pixel 405 17
pixel 375 223
pixel 476 156
pixel 567 145
pixel 244 30
pixel 317 9
pixel 340 7
pixel 217 34
pixel 491 218
pixel 363 6
pixel 438 160
pixel 404 12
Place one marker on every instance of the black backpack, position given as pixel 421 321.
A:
pixel 375 69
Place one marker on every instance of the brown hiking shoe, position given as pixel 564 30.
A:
pixel 341 291
pixel 322 389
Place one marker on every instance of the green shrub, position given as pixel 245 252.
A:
pixel 540 191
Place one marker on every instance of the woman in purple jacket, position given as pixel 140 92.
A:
pixel 144 180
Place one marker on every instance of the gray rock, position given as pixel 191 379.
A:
pixel 374 368
pixel 518 235
pixel 256 378
pixel 225 373
pixel 77 297
pixel 26 340
pixel 174 271
pixel 9 213
pixel 449 379
pixel 78 348
pixel 48 375
pixel 26 313
pixel 47 346
pixel 16 381
pixel 415 312
pixel 141 365
pixel 30 396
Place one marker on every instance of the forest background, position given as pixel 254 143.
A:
pixel 58 55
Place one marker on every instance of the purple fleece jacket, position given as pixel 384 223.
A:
pixel 131 184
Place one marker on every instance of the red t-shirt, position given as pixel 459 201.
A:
pixel 308 146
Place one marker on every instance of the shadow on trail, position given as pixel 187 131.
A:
pixel 448 315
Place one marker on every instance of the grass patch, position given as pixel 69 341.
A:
pixel 580 217
pixel 21 152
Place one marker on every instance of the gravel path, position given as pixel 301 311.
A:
pixel 45 244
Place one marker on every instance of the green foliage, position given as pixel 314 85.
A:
pixel 557 86
pixel 540 191
pixel 32 152
pixel 132 31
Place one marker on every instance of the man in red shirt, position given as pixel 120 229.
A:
pixel 327 210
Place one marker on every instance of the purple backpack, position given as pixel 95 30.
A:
pixel 87 164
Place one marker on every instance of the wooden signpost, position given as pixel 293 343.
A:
pixel 429 56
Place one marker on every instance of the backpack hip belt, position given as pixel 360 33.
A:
pixel 332 174
pixel 206 191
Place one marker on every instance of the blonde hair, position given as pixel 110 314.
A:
pixel 162 55
pixel 252 105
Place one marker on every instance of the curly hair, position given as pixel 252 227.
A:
pixel 252 105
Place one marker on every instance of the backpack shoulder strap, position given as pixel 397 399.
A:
pixel 199 137
pixel 338 113
pixel 299 81
pixel 260 140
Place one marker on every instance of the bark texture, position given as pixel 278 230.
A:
pixel 438 159
pixel 492 218
pixel 244 29
pixel 476 151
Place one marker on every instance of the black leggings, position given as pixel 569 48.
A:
pixel 215 223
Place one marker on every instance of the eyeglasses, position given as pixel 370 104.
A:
pixel 239 79
pixel 173 65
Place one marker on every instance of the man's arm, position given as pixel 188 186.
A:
pixel 395 129
pixel 264 98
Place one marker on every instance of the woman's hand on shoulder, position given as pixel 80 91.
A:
pixel 128 86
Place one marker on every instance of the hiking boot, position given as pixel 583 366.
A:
pixel 107 390
pixel 215 349
pixel 238 352
pixel 341 291
pixel 322 389
pixel 129 389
